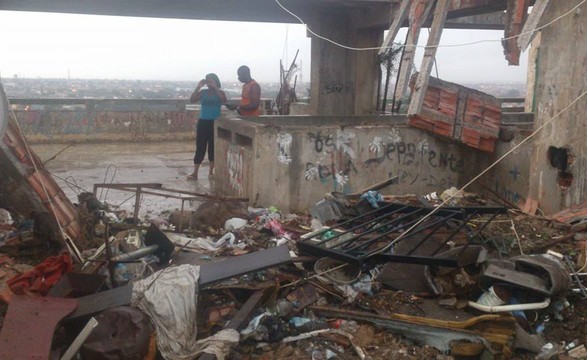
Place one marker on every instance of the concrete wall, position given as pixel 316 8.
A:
pixel 560 78
pixel 73 120
pixel 510 178
pixel 292 162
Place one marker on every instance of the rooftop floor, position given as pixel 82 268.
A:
pixel 168 163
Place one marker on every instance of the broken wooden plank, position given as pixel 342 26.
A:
pixel 429 55
pixel 239 319
pixel 209 274
pixel 529 29
pixel 515 18
pixel 407 61
pixel 398 20
pixel 494 331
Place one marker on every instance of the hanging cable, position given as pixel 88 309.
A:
pixel 434 46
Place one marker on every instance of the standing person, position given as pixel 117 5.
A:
pixel 211 99
pixel 251 95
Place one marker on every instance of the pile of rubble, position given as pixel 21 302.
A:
pixel 359 276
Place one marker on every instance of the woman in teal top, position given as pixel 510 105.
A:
pixel 211 100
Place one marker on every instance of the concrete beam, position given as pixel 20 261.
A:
pixel 407 61
pixel 492 21
pixel 231 10
pixel 378 17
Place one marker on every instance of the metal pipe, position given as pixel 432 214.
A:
pixel 137 254
pixel 509 308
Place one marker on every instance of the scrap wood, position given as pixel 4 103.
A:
pixel 311 334
pixel 530 206
pixel 209 273
pixel 553 242
pixel 241 316
pixel 495 331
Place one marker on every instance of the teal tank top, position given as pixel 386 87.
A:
pixel 211 104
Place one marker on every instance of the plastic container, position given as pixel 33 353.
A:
pixel 490 298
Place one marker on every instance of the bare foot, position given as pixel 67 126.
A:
pixel 193 176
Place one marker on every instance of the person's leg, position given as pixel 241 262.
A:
pixel 201 144
pixel 211 149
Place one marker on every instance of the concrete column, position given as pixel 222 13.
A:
pixel 558 175
pixel 366 74
pixel 344 82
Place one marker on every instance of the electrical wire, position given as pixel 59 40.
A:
pixel 433 46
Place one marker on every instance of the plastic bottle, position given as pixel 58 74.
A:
pixel 349 326
pixel 282 309
pixel 303 324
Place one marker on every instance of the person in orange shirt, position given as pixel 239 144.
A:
pixel 251 95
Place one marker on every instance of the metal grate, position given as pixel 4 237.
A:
pixel 373 236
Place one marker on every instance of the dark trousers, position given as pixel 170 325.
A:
pixel 204 139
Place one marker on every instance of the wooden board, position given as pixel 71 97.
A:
pixel 209 274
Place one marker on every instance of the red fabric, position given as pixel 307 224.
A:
pixel 42 278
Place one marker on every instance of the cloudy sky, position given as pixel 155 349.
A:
pixel 106 47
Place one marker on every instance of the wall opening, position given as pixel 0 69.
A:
pixel 560 159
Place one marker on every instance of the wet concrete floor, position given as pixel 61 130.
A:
pixel 168 163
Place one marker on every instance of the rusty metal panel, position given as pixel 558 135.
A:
pixel 29 324
pixel 42 192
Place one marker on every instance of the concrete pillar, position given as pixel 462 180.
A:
pixel 531 79
pixel 344 82
pixel 558 175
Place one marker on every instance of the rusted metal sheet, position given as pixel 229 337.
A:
pixel 29 325
pixel 18 161
pixel 459 113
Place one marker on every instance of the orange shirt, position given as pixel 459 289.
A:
pixel 247 99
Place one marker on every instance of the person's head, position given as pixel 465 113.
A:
pixel 214 77
pixel 244 74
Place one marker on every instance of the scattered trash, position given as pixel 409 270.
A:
pixel 452 280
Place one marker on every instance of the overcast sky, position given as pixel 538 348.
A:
pixel 105 47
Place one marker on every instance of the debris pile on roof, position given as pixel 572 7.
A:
pixel 366 276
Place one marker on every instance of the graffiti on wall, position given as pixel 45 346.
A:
pixel 234 161
pixel 337 87
pixel 339 158
pixel 336 154
pixel 284 148
pixel 506 189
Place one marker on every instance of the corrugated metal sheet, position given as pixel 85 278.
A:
pixel 16 162
pixel 458 113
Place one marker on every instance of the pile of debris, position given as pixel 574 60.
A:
pixel 359 276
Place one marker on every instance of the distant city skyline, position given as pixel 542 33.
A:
pixel 47 45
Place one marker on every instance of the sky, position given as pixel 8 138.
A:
pixel 47 45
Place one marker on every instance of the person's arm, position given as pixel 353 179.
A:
pixel 198 93
pixel 217 91
pixel 255 97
